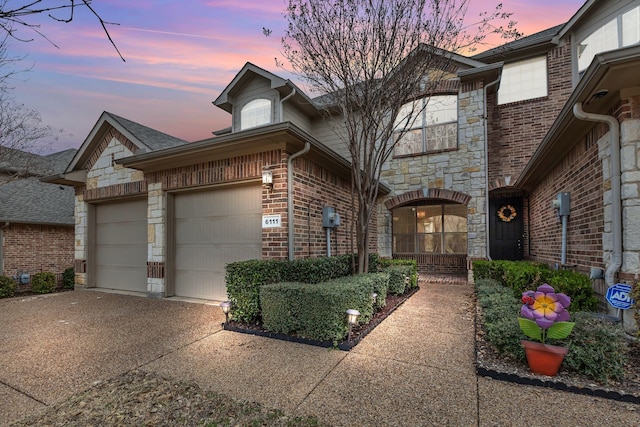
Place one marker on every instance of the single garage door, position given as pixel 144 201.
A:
pixel 212 229
pixel 121 246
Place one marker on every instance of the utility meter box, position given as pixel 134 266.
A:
pixel 330 218
pixel 562 203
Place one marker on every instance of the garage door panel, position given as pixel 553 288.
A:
pixel 120 253
pixel 212 229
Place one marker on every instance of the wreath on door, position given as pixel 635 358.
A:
pixel 507 213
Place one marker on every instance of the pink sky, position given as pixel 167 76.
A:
pixel 180 54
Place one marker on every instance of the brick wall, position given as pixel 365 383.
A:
pixel 516 129
pixel 579 173
pixel 36 248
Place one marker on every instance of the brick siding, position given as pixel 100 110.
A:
pixel 36 248
pixel 516 129
pixel 579 173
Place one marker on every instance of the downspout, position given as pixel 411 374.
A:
pixel 307 147
pixel 616 202
pixel 486 165
pixel 282 101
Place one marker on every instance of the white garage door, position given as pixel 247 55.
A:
pixel 121 246
pixel 214 228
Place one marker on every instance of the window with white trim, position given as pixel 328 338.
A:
pixel 523 80
pixel 621 31
pixel 431 124
pixel 255 113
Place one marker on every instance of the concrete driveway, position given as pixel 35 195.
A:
pixel 416 368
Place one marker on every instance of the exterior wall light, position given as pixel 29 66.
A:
pixel 226 306
pixel 267 178
pixel 352 319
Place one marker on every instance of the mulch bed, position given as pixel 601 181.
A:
pixel 357 333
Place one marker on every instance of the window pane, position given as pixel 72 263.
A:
pixel 404 220
pixel 442 109
pixel 455 218
pixel 255 113
pixel 523 80
pixel 429 219
pixel 410 116
pixel 603 39
pixel 430 243
pixel 442 137
pixel 410 143
pixel 631 27
pixel 455 243
pixel 404 243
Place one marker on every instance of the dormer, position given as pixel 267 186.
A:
pixel 256 97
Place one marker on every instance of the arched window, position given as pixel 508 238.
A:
pixel 255 113
pixel 434 229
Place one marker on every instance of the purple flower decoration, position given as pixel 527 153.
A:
pixel 545 306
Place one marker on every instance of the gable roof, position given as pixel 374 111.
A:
pixel 249 72
pixel 145 139
pixel 530 45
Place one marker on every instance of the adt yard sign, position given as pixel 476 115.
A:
pixel 619 296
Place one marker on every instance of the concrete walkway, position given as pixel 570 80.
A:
pixel 414 369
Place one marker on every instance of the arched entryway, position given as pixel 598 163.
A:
pixel 430 226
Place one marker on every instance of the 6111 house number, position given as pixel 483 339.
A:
pixel 271 221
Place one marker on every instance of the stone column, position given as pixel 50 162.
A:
pixel 156 253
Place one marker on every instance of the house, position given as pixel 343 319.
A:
pixel 530 151
pixel 36 218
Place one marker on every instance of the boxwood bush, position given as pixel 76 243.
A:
pixel 316 311
pixel 524 275
pixel 7 287
pixel 68 278
pixel 597 348
pixel 43 283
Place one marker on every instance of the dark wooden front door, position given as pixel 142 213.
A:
pixel 506 228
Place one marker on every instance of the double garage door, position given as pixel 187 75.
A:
pixel 210 229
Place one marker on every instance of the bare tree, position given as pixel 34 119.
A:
pixel 14 16
pixel 369 59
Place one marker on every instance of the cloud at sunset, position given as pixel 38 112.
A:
pixel 178 60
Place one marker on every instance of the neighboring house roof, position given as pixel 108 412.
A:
pixel 518 48
pixel 31 201
pixel 26 199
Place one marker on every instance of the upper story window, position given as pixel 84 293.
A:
pixel 255 113
pixel 431 124
pixel 523 80
pixel 621 31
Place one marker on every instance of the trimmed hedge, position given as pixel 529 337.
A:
pixel 43 283
pixel 316 311
pixel 244 278
pixel 380 287
pixel 524 275
pixel 7 287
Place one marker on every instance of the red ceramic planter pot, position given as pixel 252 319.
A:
pixel 544 359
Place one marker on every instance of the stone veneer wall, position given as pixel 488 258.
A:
pixel 461 170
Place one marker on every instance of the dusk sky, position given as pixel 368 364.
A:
pixel 180 54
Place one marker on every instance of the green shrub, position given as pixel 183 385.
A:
pixel 43 283
pixel 400 278
pixel 578 287
pixel 316 311
pixel 68 278
pixel 380 287
pixel 597 348
pixel 522 275
pixel 316 270
pixel 243 280
pixel 7 287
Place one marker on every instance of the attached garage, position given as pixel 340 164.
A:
pixel 121 246
pixel 211 229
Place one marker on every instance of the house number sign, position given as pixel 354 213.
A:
pixel 271 221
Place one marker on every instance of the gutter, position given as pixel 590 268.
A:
pixel 616 201
pixel 290 227
pixel 486 165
